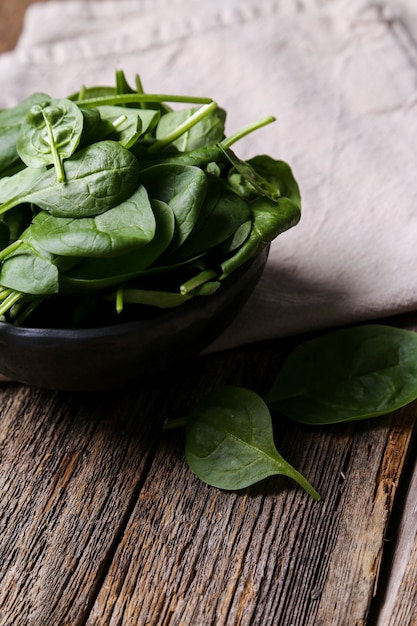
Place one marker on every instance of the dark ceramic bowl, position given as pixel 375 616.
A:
pixel 123 354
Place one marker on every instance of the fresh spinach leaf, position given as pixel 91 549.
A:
pixel 95 128
pixel 128 124
pixel 10 123
pixel 99 177
pixel 14 187
pixel 221 216
pixel 349 374
pixel 229 441
pixel 207 131
pixel 130 225
pixel 183 188
pixel 269 219
pixel 29 270
pixel 97 274
pixel 50 132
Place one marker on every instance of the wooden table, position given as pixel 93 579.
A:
pixel 103 523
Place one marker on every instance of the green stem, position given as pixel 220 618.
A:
pixel 119 300
pixel 246 130
pixel 119 121
pixel 28 310
pixel 59 167
pixel 197 281
pixel 137 98
pixel 10 248
pixel 184 127
pixel 10 204
pixel 4 293
pixel 11 299
pixel 139 89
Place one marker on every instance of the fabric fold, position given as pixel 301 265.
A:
pixel 340 79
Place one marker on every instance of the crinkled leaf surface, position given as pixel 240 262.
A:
pixel 54 124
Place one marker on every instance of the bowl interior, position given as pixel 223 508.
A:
pixel 124 354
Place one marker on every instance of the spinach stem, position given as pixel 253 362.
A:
pixel 59 167
pixel 10 248
pixel 119 121
pixel 27 311
pixel 11 299
pixel 246 130
pixel 4 293
pixel 119 300
pixel 9 204
pixel 139 89
pixel 197 281
pixel 185 126
pixel 132 98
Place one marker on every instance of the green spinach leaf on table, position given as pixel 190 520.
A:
pixel 229 441
pixel 349 374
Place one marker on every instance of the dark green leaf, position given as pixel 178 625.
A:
pixel 30 271
pixel 230 444
pixel 16 186
pixel 93 274
pixel 127 226
pixel 183 188
pixel 10 123
pixel 135 122
pixel 221 216
pixel 99 177
pixel 348 374
pixel 269 220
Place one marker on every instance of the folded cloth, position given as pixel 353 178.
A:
pixel 339 76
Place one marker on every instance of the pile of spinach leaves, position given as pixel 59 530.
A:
pixel 114 198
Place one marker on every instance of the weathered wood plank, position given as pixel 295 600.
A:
pixel 193 555
pixel 69 468
pixel 397 598
pixel 100 512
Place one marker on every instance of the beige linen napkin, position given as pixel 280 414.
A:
pixel 339 75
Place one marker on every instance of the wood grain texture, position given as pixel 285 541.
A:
pixel 103 523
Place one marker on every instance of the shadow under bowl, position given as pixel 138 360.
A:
pixel 124 354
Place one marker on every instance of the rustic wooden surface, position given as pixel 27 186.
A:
pixel 102 523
